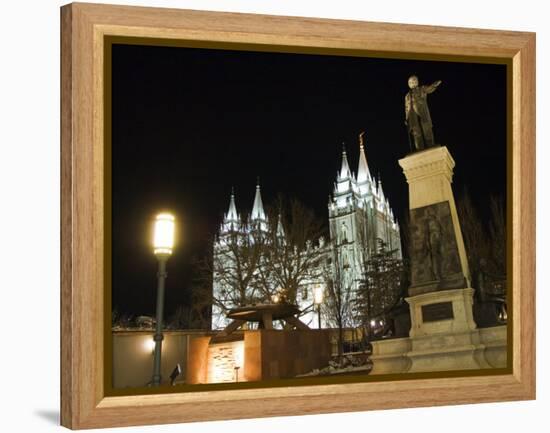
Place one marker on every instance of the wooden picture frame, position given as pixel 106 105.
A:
pixel 83 320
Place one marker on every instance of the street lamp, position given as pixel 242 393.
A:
pixel 318 300
pixel 163 243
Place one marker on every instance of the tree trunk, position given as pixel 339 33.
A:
pixel 340 342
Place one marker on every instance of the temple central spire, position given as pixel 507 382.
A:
pixel 363 173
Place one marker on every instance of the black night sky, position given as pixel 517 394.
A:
pixel 188 124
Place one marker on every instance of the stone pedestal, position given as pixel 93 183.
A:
pixel 444 312
pixel 443 333
pixel 438 256
pixel 390 356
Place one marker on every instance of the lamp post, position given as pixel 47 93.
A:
pixel 318 300
pixel 163 243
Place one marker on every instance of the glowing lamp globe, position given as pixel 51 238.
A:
pixel 163 239
pixel 149 345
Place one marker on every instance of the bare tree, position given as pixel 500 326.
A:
pixel 290 261
pixel 485 242
pixel 122 321
pixel 234 268
pixel 380 287
pixel 473 232
pixel 201 302
pixel 181 318
pixel 254 260
pixel 337 307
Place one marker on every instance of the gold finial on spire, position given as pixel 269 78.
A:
pixel 361 134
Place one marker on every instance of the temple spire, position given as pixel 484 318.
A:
pixel 380 191
pixel 231 214
pixel 258 208
pixel 363 173
pixel 345 172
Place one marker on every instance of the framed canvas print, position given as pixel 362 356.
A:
pixel 315 215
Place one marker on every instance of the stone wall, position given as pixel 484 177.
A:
pixel 225 362
pixel 259 354
pixel 396 355
pixel 197 360
pixel 274 354
pixel 133 356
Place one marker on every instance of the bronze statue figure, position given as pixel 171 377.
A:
pixel 417 114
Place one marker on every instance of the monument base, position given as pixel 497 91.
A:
pixel 449 351
pixel 442 312
pixel 390 356
pixel 443 332
pixel 443 337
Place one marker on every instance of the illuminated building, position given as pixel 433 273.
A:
pixel 358 215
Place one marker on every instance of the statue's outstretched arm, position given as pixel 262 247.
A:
pixel 431 88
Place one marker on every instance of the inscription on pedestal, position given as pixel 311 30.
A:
pixel 437 312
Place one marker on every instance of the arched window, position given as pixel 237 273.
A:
pixel 345 261
pixel 344 233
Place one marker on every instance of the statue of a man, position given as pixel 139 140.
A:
pixel 417 114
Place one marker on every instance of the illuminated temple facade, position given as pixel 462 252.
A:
pixel 358 212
